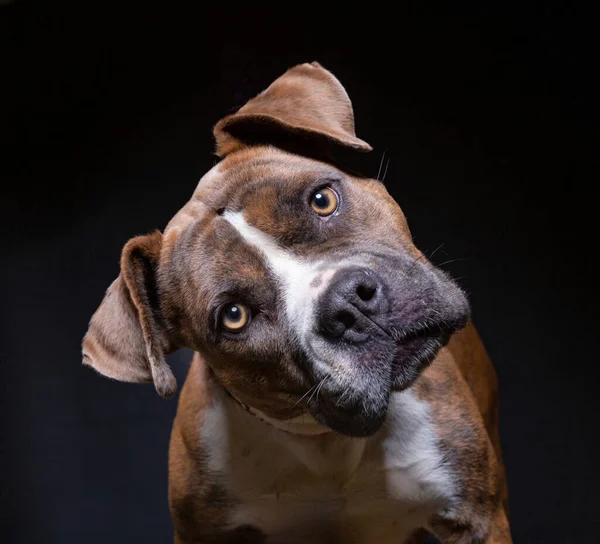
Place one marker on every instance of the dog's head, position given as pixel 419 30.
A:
pixel 297 282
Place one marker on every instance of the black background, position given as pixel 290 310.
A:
pixel 489 124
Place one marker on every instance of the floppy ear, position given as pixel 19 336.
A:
pixel 307 103
pixel 126 340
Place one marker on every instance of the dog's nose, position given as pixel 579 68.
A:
pixel 353 296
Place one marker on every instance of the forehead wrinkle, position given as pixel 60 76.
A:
pixel 269 165
pixel 263 156
pixel 265 188
pixel 229 184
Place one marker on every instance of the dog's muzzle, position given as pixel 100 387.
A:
pixel 374 332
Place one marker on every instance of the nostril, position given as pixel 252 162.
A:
pixel 352 298
pixel 346 319
pixel 366 292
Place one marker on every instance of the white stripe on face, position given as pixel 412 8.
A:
pixel 293 274
pixel 300 281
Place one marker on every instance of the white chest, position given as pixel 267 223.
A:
pixel 336 489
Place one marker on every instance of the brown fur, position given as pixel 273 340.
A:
pixel 307 101
pixel 462 391
pixel 165 296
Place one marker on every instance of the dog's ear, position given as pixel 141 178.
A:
pixel 126 339
pixel 306 103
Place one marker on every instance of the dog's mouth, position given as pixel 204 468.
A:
pixel 360 408
pixel 416 349
pixel 421 342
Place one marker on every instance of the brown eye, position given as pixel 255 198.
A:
pixel 324 201
pixel 235 317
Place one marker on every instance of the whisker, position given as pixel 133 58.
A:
pixel 436 250
pixel 303 396
pixel 385 171
pixel 342 395
pixel 317 388
pixel 415 262
pixel 452 261
pixel 380 164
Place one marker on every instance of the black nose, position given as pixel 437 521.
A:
pixel 353 296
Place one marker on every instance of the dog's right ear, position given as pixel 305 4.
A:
pixel 126 339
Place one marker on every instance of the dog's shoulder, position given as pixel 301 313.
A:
pixel 460 388
pixel 198 493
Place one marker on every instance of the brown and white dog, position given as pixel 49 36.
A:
pixel 329 399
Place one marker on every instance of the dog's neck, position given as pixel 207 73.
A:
pixel 320 450
pixel 304 424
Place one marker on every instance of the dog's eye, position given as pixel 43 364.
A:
pixel 324 201
pixel 235 317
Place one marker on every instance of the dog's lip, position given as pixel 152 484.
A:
pixel 421 343
pixel 431 331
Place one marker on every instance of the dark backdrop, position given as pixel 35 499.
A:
pixel 488 122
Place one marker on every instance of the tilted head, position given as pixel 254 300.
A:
pixel 286 273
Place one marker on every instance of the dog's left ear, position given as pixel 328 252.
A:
pixel 306 103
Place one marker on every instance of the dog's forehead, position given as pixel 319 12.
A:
pixel 238 175
pixel 267 184
pixel 232 182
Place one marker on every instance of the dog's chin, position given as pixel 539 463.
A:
pixel 350 420
pixel 362 410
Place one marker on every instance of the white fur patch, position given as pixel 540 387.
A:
pixel 294 275
pixel 411 457
pixel 215 424
pixel 380 488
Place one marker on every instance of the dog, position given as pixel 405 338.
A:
pixel 339 392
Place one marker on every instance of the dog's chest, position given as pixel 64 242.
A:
pixel 340 490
